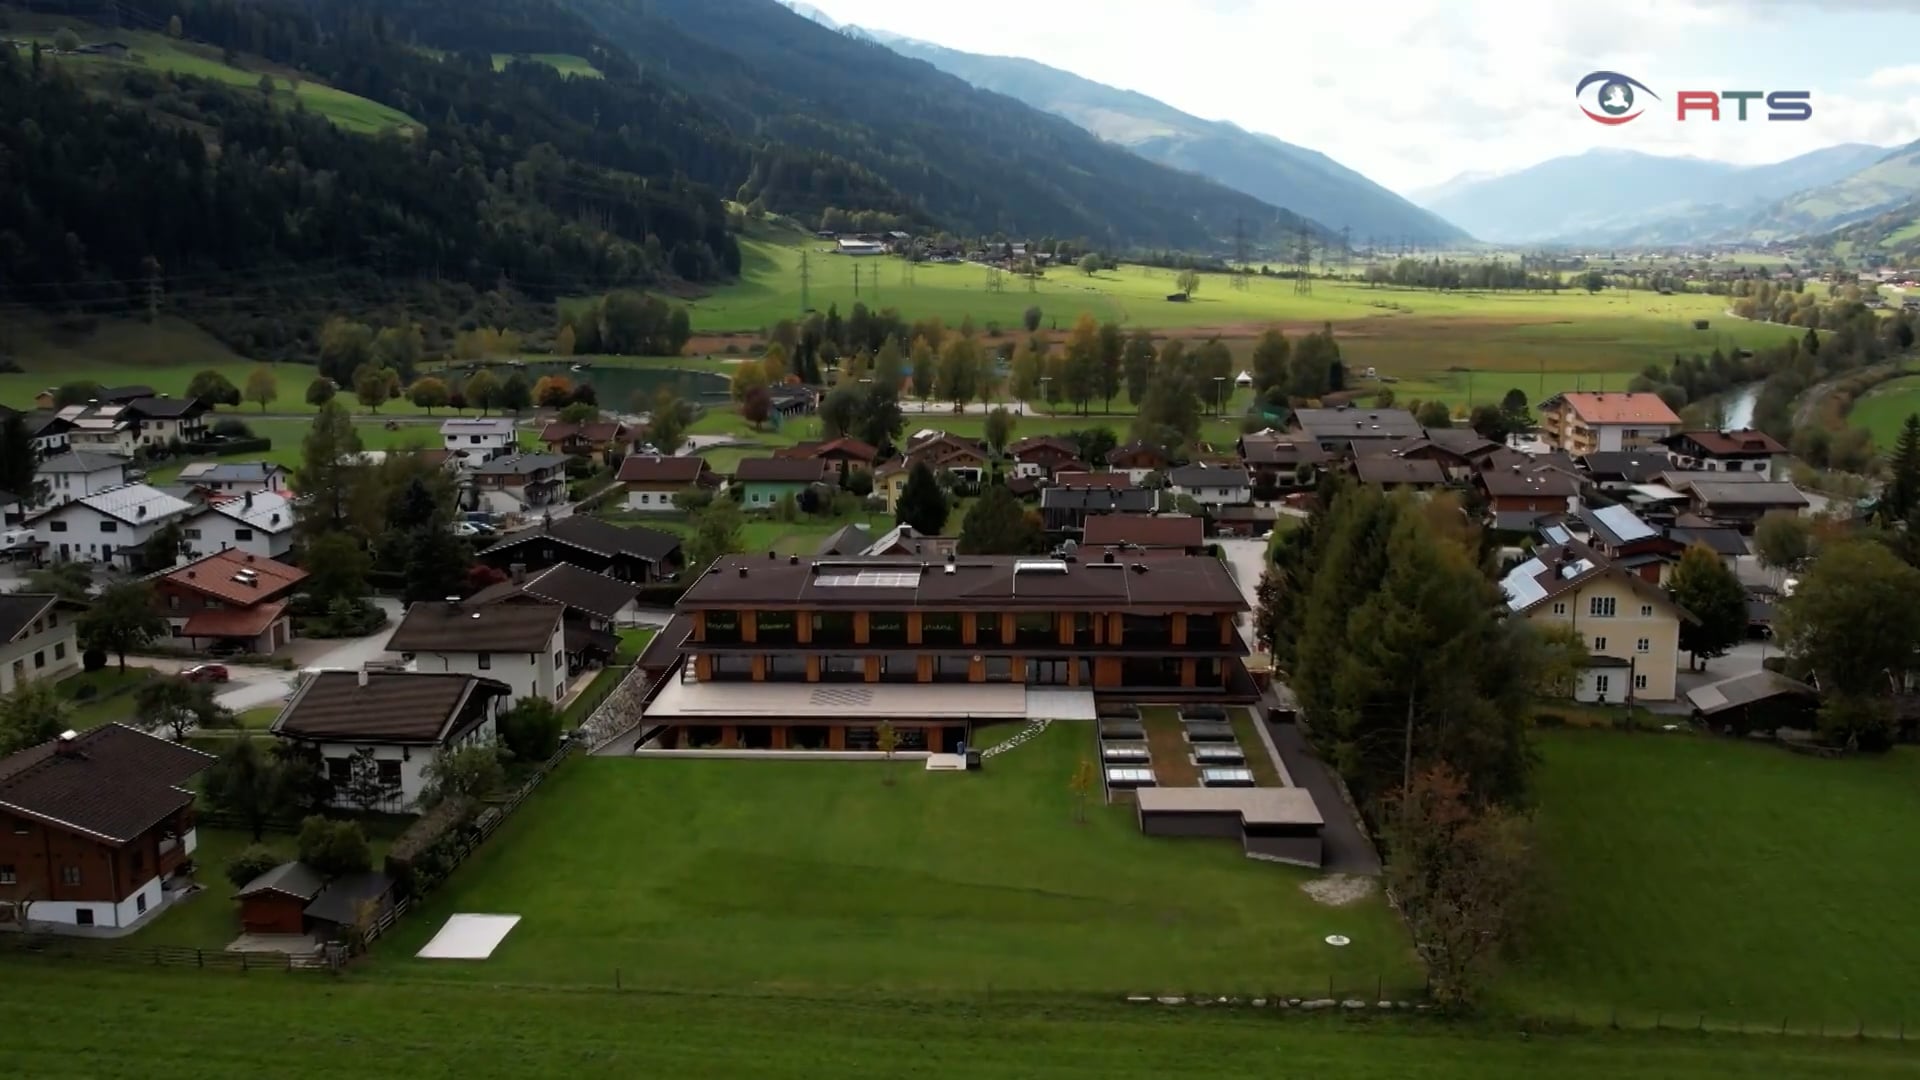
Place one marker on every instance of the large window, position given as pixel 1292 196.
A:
pixel 1601 607
pixel 1056 672
pixel 1138 630
pixel 723 628
pixel 1083 628
pixel 786 667
pixel 1034 628
pixel 775 628
pixel 832 627
pixel 1154 671
pixel 899 667
pixel 843 669
pixel 887 628
pixel 940 628
pixel 732 667
pixel 999 669
pixel 986 629
pixel 1205 628
pixel 951 668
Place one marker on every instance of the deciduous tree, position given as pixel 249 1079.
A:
pixel 213 388
pixel 335 847
pixel 998 428
pixel 1783 540
pixel 886 740
pixel 756 406
pixel 399 348
pixel 428 393
pixel 178 706
pixel 344 346
pixel 1710 593
pixel 481 390
pixel 1853 621
pixel 553 392
pixel 320 391
pixel 925 368
pixel 324 477
pixel 1188 283
pixel 959 369
pixel 263 389
pixel 1136 362
pixel 122 620
pixel 374 386
pixel 516 394
pixel 531 729
pixel 716 532
pixel 30 714
pixel 471 772
pixel 252 781
pixel 668 420
pixel 1271 354
pixel 1434 414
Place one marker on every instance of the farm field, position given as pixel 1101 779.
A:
pixel 564 63
pixel 1702 876
pixel 182 1024
pixel 158 52
pixel 820 878
pixel 1885 408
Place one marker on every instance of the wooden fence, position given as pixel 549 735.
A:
pixel 105 951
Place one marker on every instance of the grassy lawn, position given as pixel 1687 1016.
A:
pixel 818 877
pixel 289 435
pixel 1700 875
pixel 564 63
pixel 110 699
pixel 633 642
pixel 181 1023
pixel 259 719
pixel 1885 408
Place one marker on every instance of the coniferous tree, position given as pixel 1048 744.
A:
pixel 998 524
pixel 1901 495
pixel 922 504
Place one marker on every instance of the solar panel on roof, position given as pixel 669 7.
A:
pixel 1226 777
pixel 1219 755
pixel 870 579
pixel 1624 523
pixel 1127 776
pixel 1557 534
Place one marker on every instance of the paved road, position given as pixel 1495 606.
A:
pixel 1345 848
pixel 1247 559
pixel 252 687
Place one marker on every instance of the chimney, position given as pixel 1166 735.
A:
pixel 453 604
pixel 248 503
pixel 793 560
pixel 518 572
pixel 66 746
pixel 743 571
pixel 771 555
pixel 1108 557
pixel 363 676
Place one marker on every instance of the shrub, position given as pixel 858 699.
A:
pixel 697 498
pixel 93 659
pixel 232 427
pixel 85 692
pixel 334 847
pixel 250 864
pixel 530 730
pixel 421 856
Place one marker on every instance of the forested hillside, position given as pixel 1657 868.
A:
pixel 973 160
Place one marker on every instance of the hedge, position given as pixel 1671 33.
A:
pixel 226 447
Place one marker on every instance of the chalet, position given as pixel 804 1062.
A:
pixel 1581 423
pixel 1631 626
pixel 592 440
pixel 845 449
pixel 522 645
pixel 259 523
pixel 787 401
pixel 763 482
pixel 1396 472
pixel 596 606
pixel 1617 470
pixel 81 472
pixel 531 479
pixel 472 441
pixel 1043 455
pixel 635 554
pixel 1344 429
pixel 36 638
pixel 1150 533
pixel 1065 511
pixel 1746 450
pixel 1742 505
pixel 1212 485
pixel 230 598
pixel 1111 481
pixel 1628 541
pixel 238 478
pixel 164 419
pixel 1530 489
pixel 45 430
pixel 94 827
pixel 1137 459
pixel 1281 463
pixel 109 525
pixel 376 733
pixel 654 481
pixel 964 459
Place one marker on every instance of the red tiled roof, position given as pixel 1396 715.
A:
pixel 844 445
pixel 599 431
pixel 233 622
pixel 1112 481
pixel 1619 408
pixel 215 574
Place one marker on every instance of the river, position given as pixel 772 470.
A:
pixel 1738 412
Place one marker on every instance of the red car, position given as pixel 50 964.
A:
pixel 206 673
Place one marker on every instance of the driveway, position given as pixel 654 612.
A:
pixel 1743 659
pixel 1247 559
pixel 252 687
pixel 1345 848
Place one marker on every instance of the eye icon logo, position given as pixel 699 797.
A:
pixel 1614 96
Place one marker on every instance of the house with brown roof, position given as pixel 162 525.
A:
pixel 1532 489
pixel 763 482
pixel 843 449
pixel 1745 450
pixel 531 479
pixel 1583 422
pixel 1631 626
pixel 231 598
pixel 94 827
pixel 522 645
pixel 1388 471
pixel 37 638
pixel 596 607
pixel 294 899
pixel 373 734
pixel 1741 505
pixel 1043 455
pixel 1171 533
pixel 1137 459
pixel 654 481
pixel 630 553
pixel 965 459
pixel 1110 481
pixel 1280 462
pixel 593 440
pixel 1347 429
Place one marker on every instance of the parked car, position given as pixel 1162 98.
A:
pixel 206 673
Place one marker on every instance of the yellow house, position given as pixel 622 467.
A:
pixel 1631 626
pixel 890 480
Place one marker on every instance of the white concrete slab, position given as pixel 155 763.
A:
pixel 468 937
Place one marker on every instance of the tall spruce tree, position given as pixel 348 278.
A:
pixel 922 504
pixel 1902 493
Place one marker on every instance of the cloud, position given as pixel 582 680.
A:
pixel 1901 75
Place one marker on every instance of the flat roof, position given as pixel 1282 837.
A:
pixel 684 701
pixel 1256 806
pixel 1189 583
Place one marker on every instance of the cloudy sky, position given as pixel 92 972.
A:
pixel 1413 92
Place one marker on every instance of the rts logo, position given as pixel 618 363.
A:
pixel 1615 98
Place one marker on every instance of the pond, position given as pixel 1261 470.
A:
pixel 617 385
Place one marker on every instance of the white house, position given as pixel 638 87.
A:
pixel 1212 485
pixel 101 526
pixel 124 428
pixel 472 441
pixel 237 477
pixel 860 247
pixel 377 733
pixel 259 523
pixel 81 472
pixel 36 638
pixel 521 645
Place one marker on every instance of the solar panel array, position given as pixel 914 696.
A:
pixel 1227 777
pixel 870 579
pixel 1521 588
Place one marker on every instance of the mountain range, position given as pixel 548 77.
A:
pixel 1302 180
pixel 1624 197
